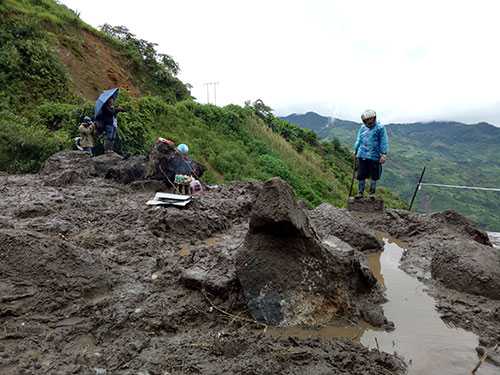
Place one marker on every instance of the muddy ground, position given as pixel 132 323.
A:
pixel 94 281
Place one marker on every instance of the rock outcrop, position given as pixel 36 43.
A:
pixel 67 167
pixel 165 161
pixel 286 274
pixel 334 222
pixel 467 266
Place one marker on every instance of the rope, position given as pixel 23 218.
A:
pixel 460 187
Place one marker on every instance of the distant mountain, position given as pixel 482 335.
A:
pixel 320 124
pixel 453 154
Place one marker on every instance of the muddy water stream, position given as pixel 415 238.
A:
pixel 494 238
pixel 427 343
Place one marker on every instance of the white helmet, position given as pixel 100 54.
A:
pixel 369 113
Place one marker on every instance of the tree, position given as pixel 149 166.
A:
pixel 262 110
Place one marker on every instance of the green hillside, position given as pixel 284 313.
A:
pixel 48 84
pixel 453 154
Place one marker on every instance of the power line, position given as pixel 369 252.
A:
pixel 214 84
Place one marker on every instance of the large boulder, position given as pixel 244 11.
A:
pixel 467 266
pixel 286 274
pixel 104 162
pixel 277 211
pixel 165 161
pixel 329 221
pixel 42 273
pixel 67 167
pixel 128 170
pixel 456 222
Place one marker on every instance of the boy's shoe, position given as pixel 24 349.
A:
pixel 359 195
pixel 372 193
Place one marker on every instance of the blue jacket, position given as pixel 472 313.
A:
pixel 371 142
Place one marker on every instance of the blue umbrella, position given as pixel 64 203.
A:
pixel 103 98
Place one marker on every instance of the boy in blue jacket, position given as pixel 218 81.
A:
pixel 371 149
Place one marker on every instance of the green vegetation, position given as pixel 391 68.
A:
pixel 41 110
pixel 453 154
pixel 158 70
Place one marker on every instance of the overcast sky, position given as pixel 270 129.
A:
pixel 409 60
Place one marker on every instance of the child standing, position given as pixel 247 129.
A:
pixel 87 130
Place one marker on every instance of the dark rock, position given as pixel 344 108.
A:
pixel 216 282
pixel 330 221
pixel 467 266
pixel 128 170
pixel 165 161
pixel 69 159
pixel 286 274
pixel 365 204
pixel 67 167
pixel 104 162
pixel 276 211
pixel 460 224
pixel 374 315
pixel 304 205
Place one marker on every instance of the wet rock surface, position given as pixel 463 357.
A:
pixel 128 169
pixel 468 266
pixel 92 280
pixel 365 204
pixel 67 167
pixel 331 221
pixel 288 277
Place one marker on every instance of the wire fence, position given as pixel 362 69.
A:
pixel 458 186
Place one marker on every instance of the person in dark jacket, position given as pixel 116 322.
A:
pixel 109 119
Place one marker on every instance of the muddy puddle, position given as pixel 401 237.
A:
pixel 421 337
pixel 494 238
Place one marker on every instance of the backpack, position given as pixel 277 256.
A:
pixel 100 126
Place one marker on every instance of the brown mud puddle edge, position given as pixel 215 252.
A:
pixel 426 342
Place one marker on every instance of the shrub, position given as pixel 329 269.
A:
pixel 24 147
pixel 275 167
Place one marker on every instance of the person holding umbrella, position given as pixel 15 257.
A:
pixel 106 116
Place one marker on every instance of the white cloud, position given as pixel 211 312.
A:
pixel 411 61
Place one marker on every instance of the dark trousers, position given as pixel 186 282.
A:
pixel 369 168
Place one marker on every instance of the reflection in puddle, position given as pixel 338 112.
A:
pixel 329 332
pixel 426 343
pixel 373 261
